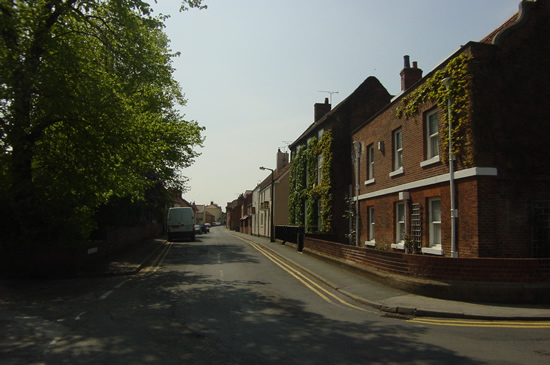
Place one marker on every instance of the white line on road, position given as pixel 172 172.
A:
pixel 52 344
pixel 104 296
pixel 121 284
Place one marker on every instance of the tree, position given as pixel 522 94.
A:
pixel 88 111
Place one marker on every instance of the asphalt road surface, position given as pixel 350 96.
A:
pixel 223 300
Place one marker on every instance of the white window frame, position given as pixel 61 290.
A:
pixel 319 216
pixel 399 226
pixel 307 175
pixel 371 235
pixel 432 135
pixel 370 164
pixel 320 133
pixel 434 235
pixel 319 168
pixel 398 149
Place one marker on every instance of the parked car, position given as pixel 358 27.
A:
pixel 205 228
pixel 198 229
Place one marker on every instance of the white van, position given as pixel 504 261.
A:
pixel 180 223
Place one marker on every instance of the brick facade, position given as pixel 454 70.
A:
pixel 503 196
pixel 364 102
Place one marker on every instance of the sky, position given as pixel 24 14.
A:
pixel 252 70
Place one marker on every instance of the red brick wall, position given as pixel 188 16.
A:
pixel 492 270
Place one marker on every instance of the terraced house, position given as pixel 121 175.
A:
pixel 482 189
pixel 320 176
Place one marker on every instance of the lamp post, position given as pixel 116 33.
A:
pixel 272 228
pixel 454 213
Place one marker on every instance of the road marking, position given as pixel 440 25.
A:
pixel 51 345
pixel 121 284
pixel 158 260
pixel 480 323
pixel 104 296
pixel 309 283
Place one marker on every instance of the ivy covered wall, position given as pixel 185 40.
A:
pixel 306 190
pixel 460 89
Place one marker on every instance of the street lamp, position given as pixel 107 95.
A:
pixel 272 228
pixel 454 213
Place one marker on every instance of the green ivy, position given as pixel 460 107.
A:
pixel 305 162
pixel 433 89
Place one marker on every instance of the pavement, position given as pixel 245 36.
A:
pixel 348 283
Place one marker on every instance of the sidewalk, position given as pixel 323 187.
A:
pixel 127 262
pixel 356 287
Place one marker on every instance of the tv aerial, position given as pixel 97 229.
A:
pixel 330 94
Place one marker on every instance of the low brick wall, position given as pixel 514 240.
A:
pixel 477 279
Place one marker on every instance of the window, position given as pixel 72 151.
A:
pixel 370 162
pixel 320 133
pixel 319 169
pixel 307 173
pixel 305 214
pixel 432 135
pixel 434 206
pixel 397 149
pixel 319 215
pixel 399 222
pixel 371 223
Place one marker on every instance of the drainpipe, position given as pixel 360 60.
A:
pixel 454 212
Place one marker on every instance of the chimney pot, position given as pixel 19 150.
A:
pixel 409 76
pixel 407 61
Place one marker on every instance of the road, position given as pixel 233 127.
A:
pixel 223 300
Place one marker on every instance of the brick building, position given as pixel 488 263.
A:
pixel 364 102
pixel 500 195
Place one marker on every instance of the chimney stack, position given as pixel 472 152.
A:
pixel 409 76
pixel 321 109
pixel 282 159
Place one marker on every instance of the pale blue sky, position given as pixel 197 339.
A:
pixel 252 69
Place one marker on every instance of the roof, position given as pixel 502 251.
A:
pixel 363 91
pixel 490 38
pixel 282 171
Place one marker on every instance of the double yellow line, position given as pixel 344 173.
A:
pixel 309 283
pixel 158 259
pixel 332 298
pixel 486 324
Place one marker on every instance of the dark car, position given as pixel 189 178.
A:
pixel 198 229
pixel 205 228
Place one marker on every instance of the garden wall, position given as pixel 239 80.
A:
pixel 470 279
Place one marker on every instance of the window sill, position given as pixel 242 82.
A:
pixel 431 161
pixel 398 246
pixel 399 171
pixel 369 182
pixel 370 243
pixel 436 250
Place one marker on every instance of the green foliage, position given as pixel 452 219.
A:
pixel 305 162
pixel 458 70
pixel 88 112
